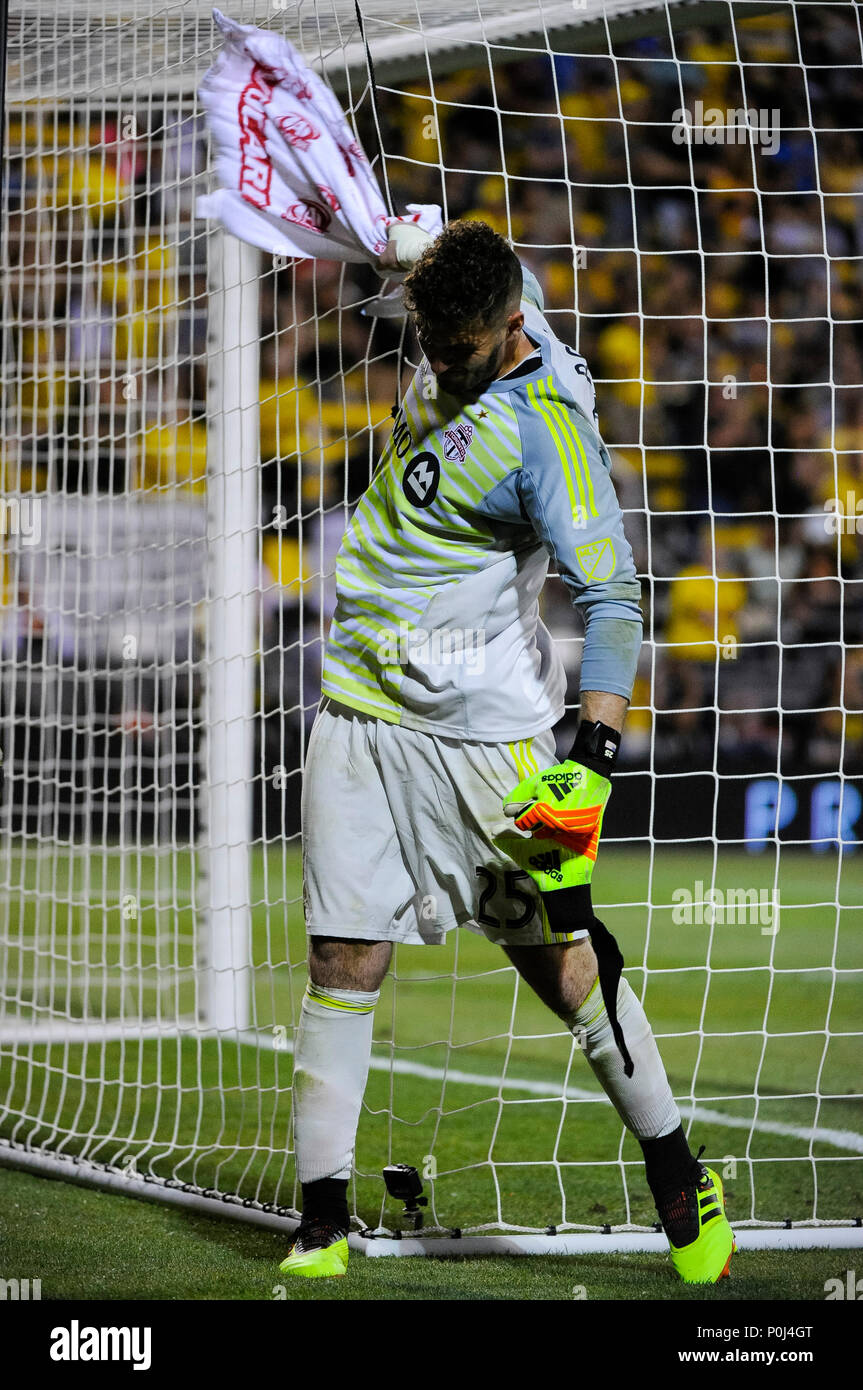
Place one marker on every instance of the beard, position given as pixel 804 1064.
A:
pixel 471 383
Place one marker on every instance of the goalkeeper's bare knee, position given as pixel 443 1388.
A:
pixel 345 963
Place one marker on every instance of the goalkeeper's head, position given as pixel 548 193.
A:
pixel 463 295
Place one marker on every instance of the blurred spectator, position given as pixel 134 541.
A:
pixel 714 289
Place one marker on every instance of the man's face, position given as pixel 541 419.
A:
pixel 466 368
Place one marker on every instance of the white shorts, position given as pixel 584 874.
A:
pixel 404 835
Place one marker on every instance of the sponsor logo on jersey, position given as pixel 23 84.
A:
pixel 255 169
pixel 308 214
pixel 421 480
pixel 402 439
pixel 597 559
pixel 547 863
pixel 329 196
pixel 457 441
pixel 349 153
pixel 299 88
pixel 298 130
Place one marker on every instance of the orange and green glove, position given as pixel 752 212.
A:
pixel 565 804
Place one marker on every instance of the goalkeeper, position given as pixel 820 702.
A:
pixel 432 796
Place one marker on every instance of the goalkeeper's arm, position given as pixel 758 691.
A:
pixel 566 803
pixel 565 490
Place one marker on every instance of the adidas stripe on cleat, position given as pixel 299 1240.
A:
pixel 701 1240
pixel 319 1251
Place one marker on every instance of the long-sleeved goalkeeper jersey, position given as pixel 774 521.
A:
pixel 438 577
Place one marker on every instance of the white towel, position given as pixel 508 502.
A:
pixel 294 178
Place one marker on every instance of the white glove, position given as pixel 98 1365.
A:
pixel 405 244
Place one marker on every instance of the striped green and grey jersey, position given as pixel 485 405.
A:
pixel 439 573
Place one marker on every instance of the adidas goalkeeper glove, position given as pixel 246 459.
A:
pixel 566 803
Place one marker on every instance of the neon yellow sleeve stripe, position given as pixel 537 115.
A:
pixel 538 397
pixel 568 427
pixel 577 457
pixel 542 407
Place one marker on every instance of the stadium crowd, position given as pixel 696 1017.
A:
pixel 710 275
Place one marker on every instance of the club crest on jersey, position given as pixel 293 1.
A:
pixel 421 480
pixel 457 441
pixel 547 863
pixel 597 559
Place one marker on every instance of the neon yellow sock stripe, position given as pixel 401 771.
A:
pixel 599 1007
pixel 321 996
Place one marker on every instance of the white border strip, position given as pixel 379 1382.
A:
pixel 803 1237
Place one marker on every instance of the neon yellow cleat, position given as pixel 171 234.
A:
pixel 698 1212
pixel 319 1251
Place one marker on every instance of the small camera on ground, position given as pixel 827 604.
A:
pixel 405 1184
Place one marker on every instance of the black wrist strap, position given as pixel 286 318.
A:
pixel 596 746
pixel 569 909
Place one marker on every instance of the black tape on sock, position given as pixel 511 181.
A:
pixel 609 959
pixel 570 909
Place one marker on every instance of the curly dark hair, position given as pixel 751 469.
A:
pixel 468 280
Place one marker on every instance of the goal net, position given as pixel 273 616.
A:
pixel 186 426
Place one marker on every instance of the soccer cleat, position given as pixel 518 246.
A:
pixel 319 1251
pixel 701 1240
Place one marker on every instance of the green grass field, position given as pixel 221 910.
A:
pixel 472 1079
pixel 94 1245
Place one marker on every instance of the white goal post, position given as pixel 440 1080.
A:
pixel 186 424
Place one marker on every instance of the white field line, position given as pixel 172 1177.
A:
pixel 839 1138
pixel 21 1033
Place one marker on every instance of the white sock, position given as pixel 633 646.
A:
pixel 331 1067
pixel 643 1101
